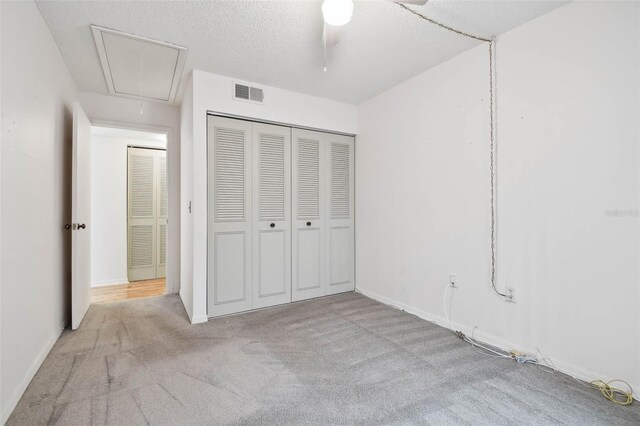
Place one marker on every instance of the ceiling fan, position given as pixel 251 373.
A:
pixel 337 13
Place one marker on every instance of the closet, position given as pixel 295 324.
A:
pixel 280 208
pixel 146 213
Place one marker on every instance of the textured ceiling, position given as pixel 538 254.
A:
pixel 278 43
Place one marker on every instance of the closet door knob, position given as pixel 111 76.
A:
pixel 308 223
pixel 67 226
pixel 273 225
pixel 82 226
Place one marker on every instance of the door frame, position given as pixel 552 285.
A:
pixel 141 272
pixel 171 281
pixel 291 126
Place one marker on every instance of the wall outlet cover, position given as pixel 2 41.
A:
pixel 510 295
pixel 453 280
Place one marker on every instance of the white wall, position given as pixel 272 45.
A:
pixel 118 111
pixel 568 132
pixel 109 245
pixel 2 415
pixel 186 192
pixel 214 93
pixel 37 96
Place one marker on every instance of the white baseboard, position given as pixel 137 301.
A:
pixel 31 372
pixel 184 297
pixel 110 282
pixel 199 319
pixel 563 367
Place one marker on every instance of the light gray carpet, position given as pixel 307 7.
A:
pixel 342 359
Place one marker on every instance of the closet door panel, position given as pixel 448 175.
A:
pixel 272 216
pixel 308 193
pixel 229 239
pixel 308 260
pixel 340 249
pixel 162 209
pixel 272 276
pixel 340 222
pixel 141 205
pixel 230 267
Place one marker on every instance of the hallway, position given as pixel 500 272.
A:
pixel 133 290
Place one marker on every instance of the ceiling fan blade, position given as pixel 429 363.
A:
pixel 330 35
pixel 416 2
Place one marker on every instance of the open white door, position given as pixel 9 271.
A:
pixel 80 212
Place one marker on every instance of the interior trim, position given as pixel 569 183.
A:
pixel 276 123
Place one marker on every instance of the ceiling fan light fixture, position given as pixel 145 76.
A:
pixel 337 12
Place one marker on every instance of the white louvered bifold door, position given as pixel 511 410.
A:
pixel 308 228
pixel 339 251
pixel 142 221
pixel 162 217
pixel 271 215
pixel 229 239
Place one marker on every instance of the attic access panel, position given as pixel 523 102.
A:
pixel 137 66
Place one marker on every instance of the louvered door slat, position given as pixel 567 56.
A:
pixel 162 260
pixel 163 187
pixel 229 174
pixel 272 177
pixel 340 171
pixel 308 188
pixel 141 186
pixel 141 246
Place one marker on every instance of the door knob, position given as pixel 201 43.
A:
pixel 82 226
pixel 67 226
pixel 308 223
pixel 273 225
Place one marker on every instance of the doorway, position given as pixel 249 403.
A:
pixel 129 210
pixel 147 213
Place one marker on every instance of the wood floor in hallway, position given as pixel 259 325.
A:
pixel 133 290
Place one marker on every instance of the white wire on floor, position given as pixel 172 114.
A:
pixel 613 394
pixel 467 339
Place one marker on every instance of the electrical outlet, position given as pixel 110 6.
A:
pixel 510 295
pixel 453 280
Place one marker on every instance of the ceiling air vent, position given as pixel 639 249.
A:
pixel 243 92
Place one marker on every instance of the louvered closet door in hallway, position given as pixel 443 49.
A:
pixel 147 214
pixel 271 215
pixel 162 215
pixel 339 250
pixel 229 239
pixel 308 189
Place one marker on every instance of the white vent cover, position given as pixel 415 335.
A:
pixel 137 66
pixel 244 92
